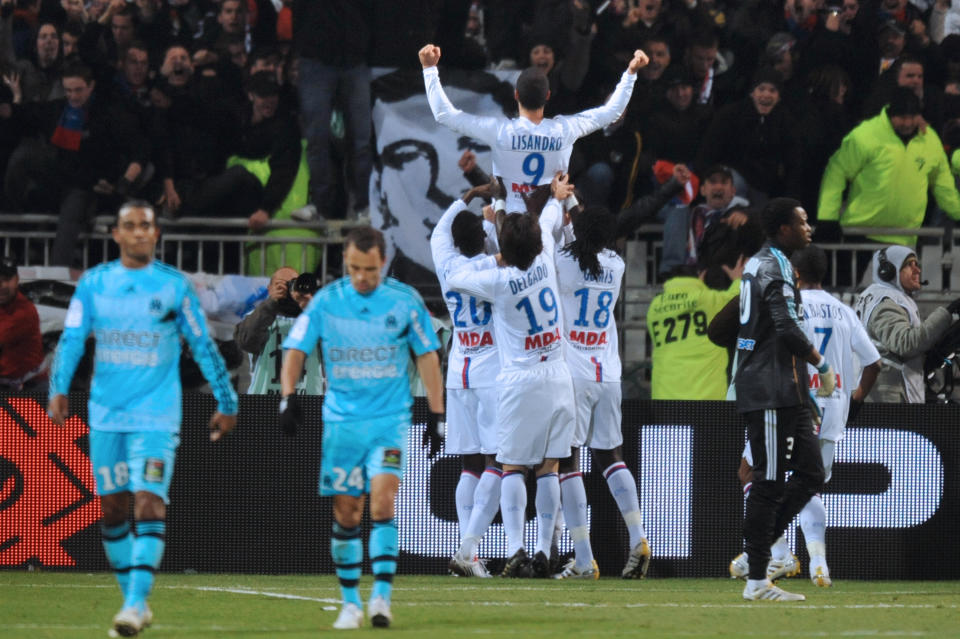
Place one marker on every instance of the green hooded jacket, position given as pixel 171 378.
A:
pixel 888 179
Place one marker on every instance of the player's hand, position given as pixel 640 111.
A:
pixel 639 61
pixel 429 56
pixel 432 438
pixel 486 191
pixel 291 415
pixel 560 187
pixel 467 161
pixel 220 425
pixel 58 408
pixel 828 380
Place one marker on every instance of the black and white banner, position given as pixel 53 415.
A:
pixel 417 176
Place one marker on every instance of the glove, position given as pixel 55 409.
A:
pixel 855 407
pixel 954 308
pixel 432 438
pixel 291 415
pixel 828 379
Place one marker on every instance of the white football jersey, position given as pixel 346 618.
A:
pixel 525 154
pixel 589 330
pixel 835 331
pixel 473 361
pixel 527 314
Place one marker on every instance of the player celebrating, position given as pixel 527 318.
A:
pixel 589 275
pixel 458 241
pixel 527 150
pixel 137 310
pixel 535 412
pixel 367 326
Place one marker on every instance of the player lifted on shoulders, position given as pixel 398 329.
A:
pixel 367 327
pixel 457 242
pixel 530 149
pixel 535 411
pixel 137 309
pixel 589 275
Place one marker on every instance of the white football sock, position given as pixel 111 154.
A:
pixel 486 503
pixel 574 501
pixel 623 488
pixel 466 487
pixel 813 521
pixel 548 504
pixel 780 550
pixel 513 509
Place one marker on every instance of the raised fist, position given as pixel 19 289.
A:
pixel 639 61
pixel 429 56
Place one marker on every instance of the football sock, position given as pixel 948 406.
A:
pixel 780 550
pixel 548 504
pixel 466 488
pixel 118 545
pixel 147 553
pixel 347 551
pixel 486 503
pixel 383 556
pixel 813 521
pixel 513 508
pixel 623 488
pixel 574 501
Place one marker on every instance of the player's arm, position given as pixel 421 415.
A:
pixel 479 283
pixel 299 343
pixel 787 326
pixel 291 370
pixel 76 327
pixel 428 366
pixel 586 122
pixel 551 217
pixel 482 128
pixel 193 326
pixel 865 351
pixel 442 247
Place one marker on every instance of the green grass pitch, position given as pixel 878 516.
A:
pixel 35 604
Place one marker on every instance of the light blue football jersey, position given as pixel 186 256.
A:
pixel 365 342
pixel 137 317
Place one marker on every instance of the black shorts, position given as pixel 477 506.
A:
pixel 783 439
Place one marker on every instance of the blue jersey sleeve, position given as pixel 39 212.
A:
pixel 193 326
pixel 421 337
pixel 76 328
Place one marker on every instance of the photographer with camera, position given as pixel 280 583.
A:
pixel 263 330
pixel 892 319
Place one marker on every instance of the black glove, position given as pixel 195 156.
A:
pixel 433 434
pixel 291 415
pixel 855 407
pixel 954 307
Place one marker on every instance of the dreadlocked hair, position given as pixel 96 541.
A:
pixel 595 230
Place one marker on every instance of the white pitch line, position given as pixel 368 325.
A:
pixel 261 593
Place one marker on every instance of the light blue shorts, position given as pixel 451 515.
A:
pixel 353 452
pixel 133 461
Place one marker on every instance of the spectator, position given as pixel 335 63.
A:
pixel 892 319
pixel 262 331
pixel 22 366
pixel 264 135
pixel 758 139
pixel 70 39
pixel 332 39
pixel 40 72
pixel 89 149
pixel 132 83
pixel 566 74
pixel 889 164
pixel 907 72
pixel 826 118
pixel 782 55
pixel 231 17
pixel 720 204
pixel 715 84
pixel 685 364
pixel 675 129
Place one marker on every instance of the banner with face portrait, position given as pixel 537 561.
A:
pixel 417 175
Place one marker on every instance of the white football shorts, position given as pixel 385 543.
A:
pixel 598 414
pixel 471 421
pixel 536 415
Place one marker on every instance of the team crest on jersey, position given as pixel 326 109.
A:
pixel 391 321
pixel 392 457
pixel 156 306
pixel 153 470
